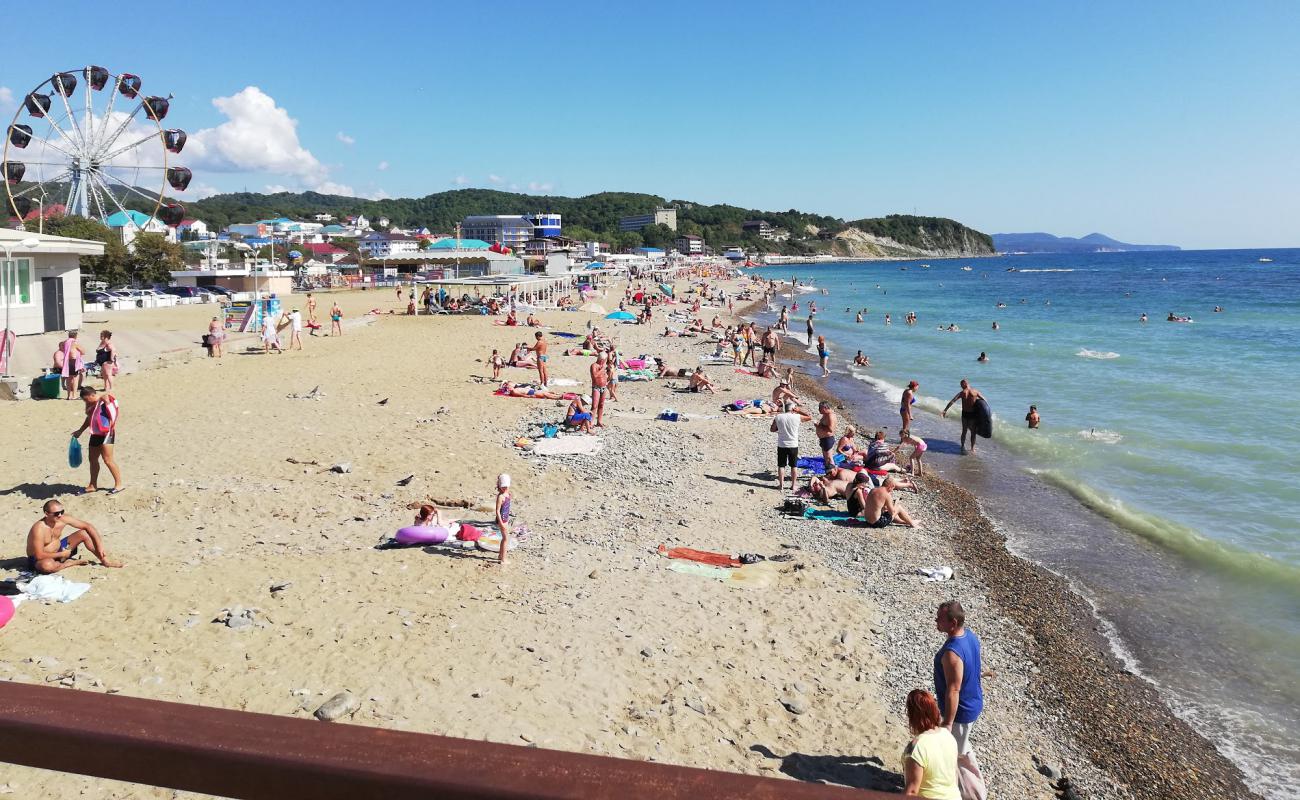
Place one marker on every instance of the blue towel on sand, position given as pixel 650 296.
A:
pixel 564 334
pixel 813 465
pixel 825 514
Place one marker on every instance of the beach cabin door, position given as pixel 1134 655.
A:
pixel 52 299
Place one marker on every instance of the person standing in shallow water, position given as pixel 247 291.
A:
pixel 1032 417
pixel 905 408
pixel 968 397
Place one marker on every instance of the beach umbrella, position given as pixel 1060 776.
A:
pixel 593 308
pixel 620 315
pixel 666 289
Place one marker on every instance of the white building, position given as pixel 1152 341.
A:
pixel 196 227
pixel 689 245
pixel 41 289
pixel 388 245
pixel 324 217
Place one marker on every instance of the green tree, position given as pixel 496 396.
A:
pixel 153 258
pixel 113 267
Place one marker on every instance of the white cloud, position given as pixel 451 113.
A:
pixel 534 186
pixel 345 139
pixel 514 187
pixel 461 180
pixel 383 165
pixel 330 187
pixel 378 194
pixel 496 179
pixel 7 98
pixel 199 190
pixel 257 136
pixel 276 188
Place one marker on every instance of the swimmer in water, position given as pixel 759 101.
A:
pixel 1143 318
pixel 995 325
pixel 984 357
pixel 1032 417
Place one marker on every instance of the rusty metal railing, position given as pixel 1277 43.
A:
pixel 265 757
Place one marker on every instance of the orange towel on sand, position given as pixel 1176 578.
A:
pixel 702 556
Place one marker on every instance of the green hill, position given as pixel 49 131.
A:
pixel 596 217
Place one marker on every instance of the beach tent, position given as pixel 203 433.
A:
pixel 593 308
pixel 620 315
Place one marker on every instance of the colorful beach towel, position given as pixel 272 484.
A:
pixel 815 465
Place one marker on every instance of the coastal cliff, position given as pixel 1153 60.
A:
pixel 905 236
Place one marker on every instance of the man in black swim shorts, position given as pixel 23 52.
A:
pixel 968 397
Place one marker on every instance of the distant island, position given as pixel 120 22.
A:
pixel 1047 243
pixel 597 217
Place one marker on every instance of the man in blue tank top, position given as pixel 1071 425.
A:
pixel 957 679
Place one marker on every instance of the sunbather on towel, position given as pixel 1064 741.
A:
pixel 833 484
pixel 758 408
pixel 509 389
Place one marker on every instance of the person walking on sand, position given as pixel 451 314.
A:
pixel 770 343
pixel 539 348
pixel 786 427
pixel 909 400
pixel 53 540
pixel 599 387
pixel 216 335
pixel 930 759
pixel 270 335
pixel 968 397
pixel 336 320
pixel 826 427
pixel 311 312
pixel 823 356
pixel 957 681
pixel 503 515
pixel 101 418
pixel 295 328
pixel 497 363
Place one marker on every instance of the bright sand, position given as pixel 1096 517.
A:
pixel 584 641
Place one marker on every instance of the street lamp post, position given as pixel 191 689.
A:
pixel 10 276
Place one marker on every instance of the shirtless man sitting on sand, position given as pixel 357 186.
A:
pixel 54 539
pixel 701 382
pixel 878 507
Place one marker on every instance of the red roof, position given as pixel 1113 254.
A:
pixel 322 249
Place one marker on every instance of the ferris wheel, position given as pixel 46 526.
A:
pixel 89 141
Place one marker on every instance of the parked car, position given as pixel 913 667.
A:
pixel 221 290
pixel 184 291
pixel 98 297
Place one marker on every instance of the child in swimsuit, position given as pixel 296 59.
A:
pixel 919 447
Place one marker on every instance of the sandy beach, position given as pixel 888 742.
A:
pixel 585 640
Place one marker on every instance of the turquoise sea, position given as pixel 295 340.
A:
pixel 1165 478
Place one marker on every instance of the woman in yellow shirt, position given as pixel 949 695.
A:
pixel 930 761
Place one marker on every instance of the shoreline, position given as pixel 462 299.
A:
pixel 1077 679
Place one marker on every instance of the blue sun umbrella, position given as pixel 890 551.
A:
pixel 620 315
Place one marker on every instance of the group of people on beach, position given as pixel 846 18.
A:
pixel 69 362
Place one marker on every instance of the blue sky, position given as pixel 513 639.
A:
pixel 1151 122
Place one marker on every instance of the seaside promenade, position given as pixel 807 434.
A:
pixel 585 640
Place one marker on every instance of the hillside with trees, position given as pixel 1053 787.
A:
pixel 595 218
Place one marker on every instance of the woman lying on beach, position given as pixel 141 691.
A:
pixel 758 408
pixel 509 389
